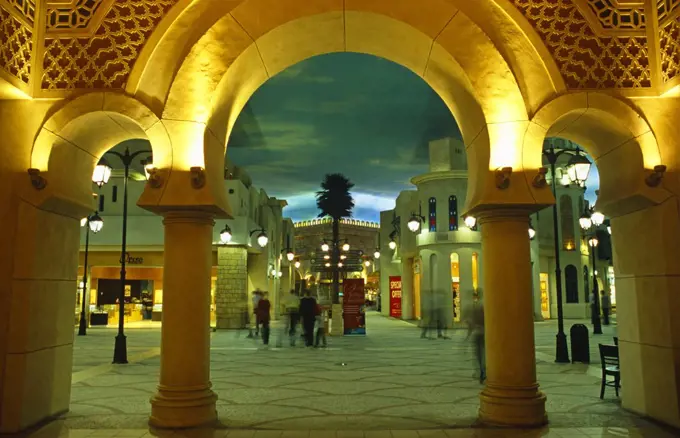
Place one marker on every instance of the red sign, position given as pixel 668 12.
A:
pixel 395 297
pixel 354 303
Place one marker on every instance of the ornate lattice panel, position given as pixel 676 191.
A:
pixel 25 9
pixel 667 9
pixel 105 59
pixel 670 50
pixel 585 59
pixel 15 46
pixel 74 15
pixel 616 17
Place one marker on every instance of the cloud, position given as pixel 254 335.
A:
pixel 300 74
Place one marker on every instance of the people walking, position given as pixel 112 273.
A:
pixel 475 323
pixel 320 326
pixel 292 311
pixel 308 315
pixel 435 316
pixel 263 313
pixel 606 307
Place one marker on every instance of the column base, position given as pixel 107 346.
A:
pixel 179 408
pixel 512 407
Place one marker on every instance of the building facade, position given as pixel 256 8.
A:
pixel 238 266
pixel 309 235
pixel 440 264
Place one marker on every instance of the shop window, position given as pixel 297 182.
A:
pixel 453 213
pixel 455 285
pixel 433 215
pixel 567 223
pixel 571 283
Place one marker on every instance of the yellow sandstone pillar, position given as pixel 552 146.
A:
pixel 511 396
pixel 184 398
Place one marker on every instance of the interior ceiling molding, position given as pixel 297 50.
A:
pixel 93 44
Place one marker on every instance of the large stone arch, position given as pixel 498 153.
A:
pixel 615 134
pixel 245 47
pixel 507 29
pixel 77 132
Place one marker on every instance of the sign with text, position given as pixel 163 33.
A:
pixel 395 297
pixel 354 304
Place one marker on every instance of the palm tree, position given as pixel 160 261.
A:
pixel 335 200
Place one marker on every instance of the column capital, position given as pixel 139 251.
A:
pixel 189 216
pixel 508 213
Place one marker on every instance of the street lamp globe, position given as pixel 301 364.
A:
pixel 585 222
pixel 96 223
pixel 414 224
pixel 290 255
pixel 593 241
pixel 597 218
pixel 297 264
pixel 392 245
pixel 328 265
pixel 609 229
pixel 225 235
pixel 470 221
pixel 325 247
pixel 578 169
pixel 262 239
pixel 83 222
pixel 102 172
pixel 367 263
pixel 376 254
pixel 340 265
pixel 532 233
pixel 279 274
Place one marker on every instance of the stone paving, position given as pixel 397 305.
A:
pixel 389 383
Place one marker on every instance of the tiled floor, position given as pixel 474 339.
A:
pixel 389 383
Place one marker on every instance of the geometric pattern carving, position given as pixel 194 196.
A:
pixel 665 10
pixel 585 59
pixel 670 50
pixel 105 59
pixel 26 9
pixel 16 45
pixel 74 15
pixel 615 17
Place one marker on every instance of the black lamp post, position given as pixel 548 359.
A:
pixel 120 349
pixel 578 170
pixel 593 219
pixel 95 223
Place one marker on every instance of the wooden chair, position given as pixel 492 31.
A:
pixel 609 357
pixel 616 341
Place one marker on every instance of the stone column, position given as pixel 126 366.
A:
pixel 442 287
pixel 645 245
pixel 466 290
pixel 511 396
pixel 231 296
pixel 407 288
pixel 184 398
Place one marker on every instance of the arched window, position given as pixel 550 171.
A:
pixel 567 223
pixel 433 214
pixel 453 213
pixel 586 284
pixel 571 283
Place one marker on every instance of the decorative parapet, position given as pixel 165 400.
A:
pixel 326 221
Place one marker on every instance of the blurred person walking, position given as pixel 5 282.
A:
pixel 475 321
pixel 308 315
pixel 263 313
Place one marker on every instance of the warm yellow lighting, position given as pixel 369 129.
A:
pixel 345 247
pixel 297 264
pixel 470 221
pixel 393 244
pixel 367 263
pixel 506 141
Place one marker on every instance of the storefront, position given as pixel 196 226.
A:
pixel 143 290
